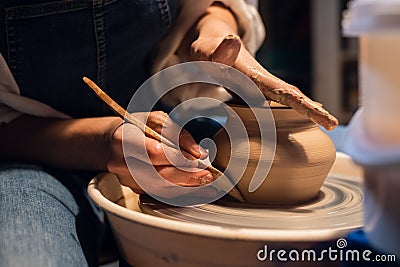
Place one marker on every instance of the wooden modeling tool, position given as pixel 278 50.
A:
pixel 223 181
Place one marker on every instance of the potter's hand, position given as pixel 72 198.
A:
pixel 145 154
pixel 216 39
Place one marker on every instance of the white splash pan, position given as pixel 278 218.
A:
pixel 147 240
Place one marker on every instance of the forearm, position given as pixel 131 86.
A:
pixel 217 19
pixel 209 31
pixel 72 144
pixel 212 44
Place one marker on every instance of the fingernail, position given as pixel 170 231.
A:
pixel 203 153
pixel 206 179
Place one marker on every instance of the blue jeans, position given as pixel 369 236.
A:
pixel 44 222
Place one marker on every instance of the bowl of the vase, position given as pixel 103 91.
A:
pixel 299 165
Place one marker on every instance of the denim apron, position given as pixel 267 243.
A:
pixel 50 45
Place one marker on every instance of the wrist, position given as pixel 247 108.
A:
pixel 110 128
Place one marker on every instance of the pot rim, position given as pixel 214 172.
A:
pixel 284 117
pixel 249 234
pixel 272 105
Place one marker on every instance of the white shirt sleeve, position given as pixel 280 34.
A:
pixel 249 21
pixel 12 104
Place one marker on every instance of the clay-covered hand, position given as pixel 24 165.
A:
pixel 144 155
pixel 216 39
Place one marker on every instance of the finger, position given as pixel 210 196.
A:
pixel 160 154
pixel 157 120
pixel 187 143
pixel 192 178
pixel 162 123
pixel 276 89
pixel 227 51
pixel 129 181
pixel 302 104
pixel 151 151
pixel 222 49
pixel 153 179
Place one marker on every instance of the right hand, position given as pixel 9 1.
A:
pixel 129 146
pixel 215 38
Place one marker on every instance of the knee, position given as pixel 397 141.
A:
pixel 29 187
pixel 22 175
pixel 37 220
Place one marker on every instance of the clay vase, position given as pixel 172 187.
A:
pixel 303 158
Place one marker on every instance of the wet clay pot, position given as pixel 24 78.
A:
pixel 303 158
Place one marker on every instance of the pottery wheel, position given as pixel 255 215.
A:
pixel 337 207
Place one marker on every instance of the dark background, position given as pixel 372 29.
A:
pixel 288 49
